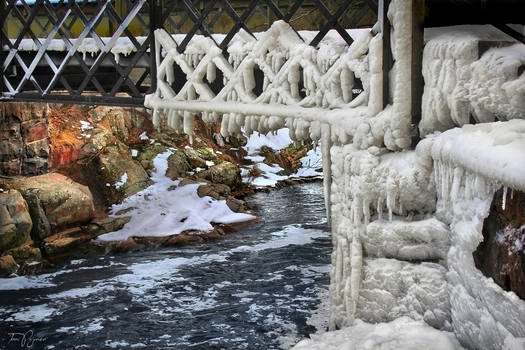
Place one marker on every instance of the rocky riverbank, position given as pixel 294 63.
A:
pixel 63 166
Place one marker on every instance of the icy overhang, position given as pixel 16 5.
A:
pixel 493 150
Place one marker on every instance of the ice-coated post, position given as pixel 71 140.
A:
pixel 326 144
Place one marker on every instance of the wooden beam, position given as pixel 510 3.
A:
pixel 417 84
pixel 387 48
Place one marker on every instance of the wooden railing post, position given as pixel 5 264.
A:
pixel 418 27
pixel 3 28
pixel 155 22
pixel 387 50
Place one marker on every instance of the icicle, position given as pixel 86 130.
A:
pixel 188 125
pixel 347 83
pixel 211 72
pixel 504 199
pixel 249 79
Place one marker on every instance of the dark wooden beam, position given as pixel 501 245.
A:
pixel 418 24
pixel 387 48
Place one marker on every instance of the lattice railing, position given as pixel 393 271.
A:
pixel 71 51
pixel 277 75
pixel 87 51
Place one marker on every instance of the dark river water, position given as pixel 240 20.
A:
pixel 260 288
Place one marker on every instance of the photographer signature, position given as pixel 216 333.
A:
pixel 26 340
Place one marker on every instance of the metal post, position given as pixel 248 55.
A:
pixel 418 24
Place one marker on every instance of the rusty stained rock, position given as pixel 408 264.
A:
pixel 501 255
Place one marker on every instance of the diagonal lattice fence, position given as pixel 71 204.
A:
pixel 98 52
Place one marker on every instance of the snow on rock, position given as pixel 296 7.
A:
pixel 460 84
pixel 163 209
pixel 402 333
pixel 406 240
pixel 276 140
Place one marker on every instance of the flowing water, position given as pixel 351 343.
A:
pixel 260 288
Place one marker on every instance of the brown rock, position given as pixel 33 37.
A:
pixel 34 131
pixel 35 166
pixel 216 191
pixel 8 266
pixel 236 205
pixel 194 158
pixel 11 148
pixel 121 175
pixel 178 165
pixel 182 240
pixel 127 246
pixel 25 253
pixel 11 167
pixel 191 181
pixel 64 241
pixel 501 254
pixel 39 148
pixel 224 173
pixel 60 200
pixel 15 221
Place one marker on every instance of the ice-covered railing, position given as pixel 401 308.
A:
pixel 300 84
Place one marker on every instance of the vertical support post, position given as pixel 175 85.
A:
pixel 387 48
pixel 155 22
pixel 418 27
pixel 269 13
pixel 3 38
pixel 326 144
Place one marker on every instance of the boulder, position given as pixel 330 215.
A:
pixel 216 191
pixel 25 253
pixel 65 240
pixel 15 221
pixel 236 205
pixel 224 173
pixel 194 159
pixel 147 155
pixel 120 174
pixel 177 165
pixel 8 266
pixel 55 201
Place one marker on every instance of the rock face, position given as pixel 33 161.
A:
pixel 224 173
pixel 55 202
pixel 121 175
pixel 24 141
pixel 15 221
pixel 501 255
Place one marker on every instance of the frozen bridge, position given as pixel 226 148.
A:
pixel 409 178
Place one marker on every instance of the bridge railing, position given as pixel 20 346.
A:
pixel 99 52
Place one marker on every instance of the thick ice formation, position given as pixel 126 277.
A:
pixel 462 81
pixel 402 333
pixel 492 155
pixel 407 240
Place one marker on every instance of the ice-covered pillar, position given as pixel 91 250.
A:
pixel 326 144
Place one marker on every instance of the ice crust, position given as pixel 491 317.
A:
pixel 402 333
